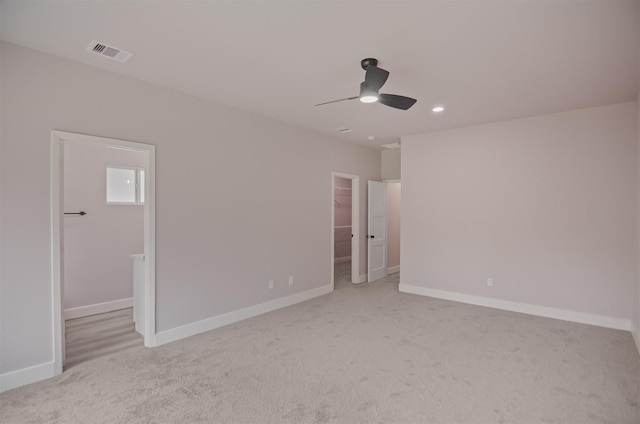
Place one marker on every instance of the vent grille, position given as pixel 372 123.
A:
pixel 109 51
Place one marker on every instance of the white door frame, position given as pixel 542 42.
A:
pixel 386 237
pixel 355 225
pixel 57 140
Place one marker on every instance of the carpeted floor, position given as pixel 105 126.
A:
pixel 362 354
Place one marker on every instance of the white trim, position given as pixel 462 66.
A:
pixel 393 269
pixel 25 376
pixel 150 247
pixel 362 278
pixel 525 308
pixel 98 308
pixel 355 227
pixel 57 138
pixel 208 324
pixel 57 311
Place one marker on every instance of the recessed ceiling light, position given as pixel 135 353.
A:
pixel 438 109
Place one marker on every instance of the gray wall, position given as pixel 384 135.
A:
pixel 547 206
pixel 636 315
pixel 241 199
pixel 391 164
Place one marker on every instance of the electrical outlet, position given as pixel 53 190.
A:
pixel 290 279
pixel 270 284
pixel 490 282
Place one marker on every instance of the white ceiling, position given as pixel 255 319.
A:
pixel 485 60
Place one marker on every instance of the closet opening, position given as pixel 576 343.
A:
pixel 345 239
pixel 393 225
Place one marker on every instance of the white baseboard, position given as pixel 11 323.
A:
pixel 98 308
pixel 342 259
pixel 361 279
pixel 25 376
pixel 393 269
pixel 208 324
pixel 525 308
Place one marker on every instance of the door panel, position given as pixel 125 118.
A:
pixel 377 231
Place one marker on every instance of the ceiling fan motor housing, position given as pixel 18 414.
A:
pixel 366 62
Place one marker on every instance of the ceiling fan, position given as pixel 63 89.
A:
pixel 374 79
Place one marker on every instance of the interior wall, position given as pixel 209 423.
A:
pixel 636 310
pixel 391 164
pixel 636 316
pixel 393 225
pixel 97 246
pixel 342 211
pixel 229 215
pixel 546 206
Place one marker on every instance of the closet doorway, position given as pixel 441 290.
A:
pixel 345 229
pixel 393 225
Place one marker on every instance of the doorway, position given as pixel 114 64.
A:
pixel 393 225
pixel 345 229
pixel 145 199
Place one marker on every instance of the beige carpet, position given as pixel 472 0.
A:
pixel 362 354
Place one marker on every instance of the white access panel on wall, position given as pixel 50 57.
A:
pixel 377 231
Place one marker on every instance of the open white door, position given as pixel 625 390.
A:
pixel 377 231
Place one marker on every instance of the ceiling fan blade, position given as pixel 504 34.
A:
pixel 398 102
pixel 375 77
pixel 339 100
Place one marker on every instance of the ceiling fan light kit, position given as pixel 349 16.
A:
pixel 367 93
pixel 374 79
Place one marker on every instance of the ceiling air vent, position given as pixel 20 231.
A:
pixel 109 51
